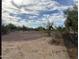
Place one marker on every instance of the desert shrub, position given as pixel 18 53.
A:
pixel 40 29
pixel 8 28
pixel 24 28
pixel 11 27
pixel 60 29
pixel 4 29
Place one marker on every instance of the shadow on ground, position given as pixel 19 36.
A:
pixel 71 43
pixel 67 40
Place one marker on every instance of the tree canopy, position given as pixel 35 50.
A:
pixel 71 22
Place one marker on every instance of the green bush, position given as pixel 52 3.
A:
pixel 4 30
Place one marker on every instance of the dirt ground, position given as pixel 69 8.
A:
pixel 31 45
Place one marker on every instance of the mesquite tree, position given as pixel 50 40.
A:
pixel 71 22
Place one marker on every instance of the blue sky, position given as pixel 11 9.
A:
pixel 65 2
pixel 34 13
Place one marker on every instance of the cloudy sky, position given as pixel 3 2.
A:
pixel 34 13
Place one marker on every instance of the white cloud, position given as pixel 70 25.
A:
pixel 31 7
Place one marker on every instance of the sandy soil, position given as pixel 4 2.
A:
pixel 31 49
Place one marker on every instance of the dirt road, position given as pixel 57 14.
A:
pixel 31 45
pixel 22 36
